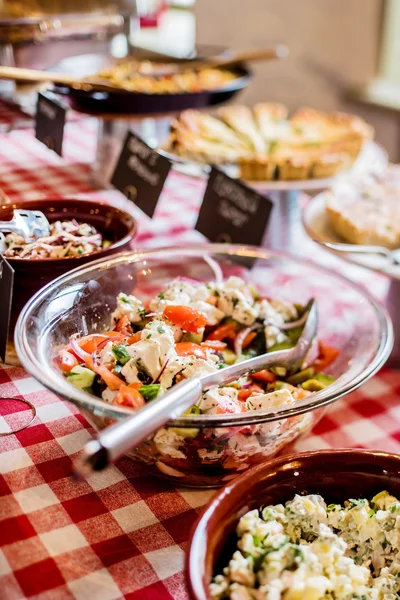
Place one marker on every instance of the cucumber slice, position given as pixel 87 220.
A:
pixel 313 385
pixel 81 377
pixel 301 376
pixel 279 385
pixel 186 432
pixel 229 356
pixel 195 338
pixel 193 410
pixel 151 391
pixel 281 346
pixel 278 371
pixel 326 379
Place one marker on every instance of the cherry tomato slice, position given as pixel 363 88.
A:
pixel 67 361
pixel 223 332
pixel 136 337
pixel 189 319
pixel 264 375
pixel 249 338
pixel 245 393
pixel 128 395
pixel 190 349
pixel 215 345
pixel 327 354
pixel 111 380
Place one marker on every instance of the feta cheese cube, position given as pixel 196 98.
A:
pixel 128 306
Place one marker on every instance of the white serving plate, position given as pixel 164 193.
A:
pixel 317 224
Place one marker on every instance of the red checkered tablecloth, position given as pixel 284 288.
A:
pixel 121 534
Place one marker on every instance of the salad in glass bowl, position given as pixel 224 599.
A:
pixel 120 332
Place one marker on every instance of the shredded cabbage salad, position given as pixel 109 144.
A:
pixel 67 238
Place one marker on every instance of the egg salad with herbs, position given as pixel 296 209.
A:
pixel 307 550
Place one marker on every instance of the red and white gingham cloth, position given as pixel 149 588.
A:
pixel 121 534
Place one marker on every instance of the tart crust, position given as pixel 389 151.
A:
pixel 361 218
pixel 267 144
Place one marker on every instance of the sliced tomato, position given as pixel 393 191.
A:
pixel 189 319
pixel 215 345
pixel 67 361
pixel 327 354
pixel 249 338
pixel 89 343
pixel 245 393
pixel 128 395
pixel 124 326
pixel 113 334
pixel 190 349
pixel 111 380
pixel 115 338
pixel 264 375
pixel 136 337
pixel 223 332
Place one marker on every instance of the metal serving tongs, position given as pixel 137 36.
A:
pixel 392 255
pixel 113 442
pixel 31 224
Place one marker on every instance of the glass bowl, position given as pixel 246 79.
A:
pixel 206 450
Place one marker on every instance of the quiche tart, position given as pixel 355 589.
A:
pixel 368 212
pixel 267 144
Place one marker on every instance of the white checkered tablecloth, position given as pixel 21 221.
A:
pixel 122 534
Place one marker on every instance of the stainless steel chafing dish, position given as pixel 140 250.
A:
pixel 38 33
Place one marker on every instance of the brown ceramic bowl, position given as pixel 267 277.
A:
pixel 335 474
pixel 31 275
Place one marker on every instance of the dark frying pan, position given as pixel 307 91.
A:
pixel 124 102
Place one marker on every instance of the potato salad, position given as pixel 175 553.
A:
pixel 190 329
pixel 308 550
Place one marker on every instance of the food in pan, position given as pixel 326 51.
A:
pixel 269 145
pixel 191 329
pixel 66 239
pixel 162 78
pixel 308 550
pixel 368 211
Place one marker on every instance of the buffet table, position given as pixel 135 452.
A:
pixel 121 534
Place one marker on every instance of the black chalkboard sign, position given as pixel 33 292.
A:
pixel 140 173
pixel 50 121
pixel 231 212
pixel 6 292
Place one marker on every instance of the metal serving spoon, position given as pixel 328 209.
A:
pixel 31 224
pixel 113 442
pixel 393 255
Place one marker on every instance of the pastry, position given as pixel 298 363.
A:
pixel 369 212
pixel 267 144
pixel 241 119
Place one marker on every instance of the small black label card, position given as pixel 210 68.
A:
pixel 140 173
pixel 6 292
pixel 231 212
pixel 50 121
